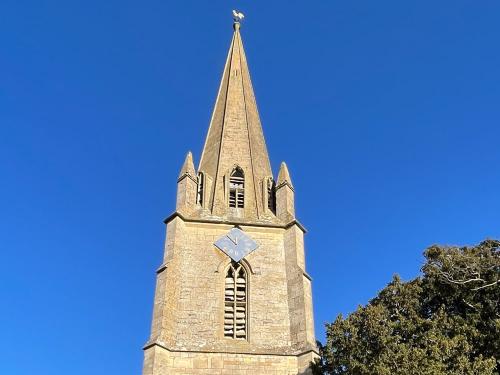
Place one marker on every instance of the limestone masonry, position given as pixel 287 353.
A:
pixel 214 314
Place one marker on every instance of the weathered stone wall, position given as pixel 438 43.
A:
pixel 190 292
pixel 188 314
pixel 299 291
pixel 162 361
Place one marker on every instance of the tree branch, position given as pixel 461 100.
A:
pixel 485 286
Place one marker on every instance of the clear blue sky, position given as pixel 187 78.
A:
pixel 387 112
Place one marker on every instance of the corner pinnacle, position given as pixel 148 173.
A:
pixel 188 166
pixel 284 176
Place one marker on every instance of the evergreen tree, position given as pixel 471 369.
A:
pixel 447 321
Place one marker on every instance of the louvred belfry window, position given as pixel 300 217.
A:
pixel 237 189
pixel 235 302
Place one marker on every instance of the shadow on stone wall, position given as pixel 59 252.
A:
pixel 312 370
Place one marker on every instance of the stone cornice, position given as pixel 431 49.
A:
pixel 149 345
pixel 233 222
pixel 182 177
pixel 283 184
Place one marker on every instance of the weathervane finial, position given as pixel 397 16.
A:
pixel 237 17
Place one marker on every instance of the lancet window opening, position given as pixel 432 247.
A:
pixel 235 302
pixel 200 188
pixel 271 194
pixel 237 188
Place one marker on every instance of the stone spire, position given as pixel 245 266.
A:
pixel 284 176
pixel 235 137
pixel 186 186
pixel 188 167
pixel 285 196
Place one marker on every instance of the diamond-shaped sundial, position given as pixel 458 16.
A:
pixel 236 244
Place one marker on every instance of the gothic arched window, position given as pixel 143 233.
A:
pixel 235 302
pixel 237 188
pixel 200 189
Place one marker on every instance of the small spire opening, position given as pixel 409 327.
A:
pixel 200 189
pixel 271 194
pixel 237 188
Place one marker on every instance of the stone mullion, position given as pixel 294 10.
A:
pixel 234 301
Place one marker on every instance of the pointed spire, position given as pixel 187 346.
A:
pixel 188 167
pixel 284 176
pixel 235 136
pixel 285 196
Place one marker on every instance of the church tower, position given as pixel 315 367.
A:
pixel 232 295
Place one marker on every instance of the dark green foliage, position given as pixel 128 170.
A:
pixel 445 322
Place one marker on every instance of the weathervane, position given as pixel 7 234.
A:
pixel 238 16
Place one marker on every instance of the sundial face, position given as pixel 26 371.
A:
pixel 236 244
